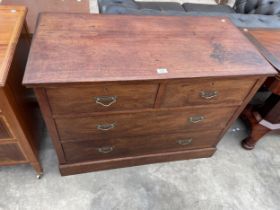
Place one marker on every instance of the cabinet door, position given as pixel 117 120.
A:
pixel 11 153
pixel 4 130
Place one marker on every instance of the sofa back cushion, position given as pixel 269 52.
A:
pixel 264 7
pixel 104 5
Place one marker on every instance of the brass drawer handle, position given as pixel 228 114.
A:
pixel 208 94
pixel 196 119
pixel 106 100
pixel 184 142
pixel 106 149
pixel 106 127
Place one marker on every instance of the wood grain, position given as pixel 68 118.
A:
pixel 268 42
pixel 163 70
pixel 12 19
pixel 87 99
pixel 4 130
pixel 76 168
pixel 10 153
pixel 206 92
pixel 238 111
pixel 16 104
pixel 145 123
pixel 124 48
pixel 45 108
pixel 77 151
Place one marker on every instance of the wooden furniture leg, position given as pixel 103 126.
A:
pixel 267 116
pixel 262 120
pixel 257 132
pixel 38 168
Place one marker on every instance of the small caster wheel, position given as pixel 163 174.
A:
pixel 39 176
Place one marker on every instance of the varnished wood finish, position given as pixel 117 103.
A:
pixel 45 108
pixel 10 153
pixel 19 142
pixel 77 151
pixel 84 99
pixel 207 81
pixel 257 130
pixel 266 117
pixel 10 28
pixel 4 129
pixel 144 123
pixel 35 7
pixel 268 42
pixel 190 93
pixel 104 50
pixel 84 167
pixel 243 106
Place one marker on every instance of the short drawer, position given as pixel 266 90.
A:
pixel 5 134
pixel 101 98
pixel 205 92
pixel 124 147
pixel 142 123
pixel 10 153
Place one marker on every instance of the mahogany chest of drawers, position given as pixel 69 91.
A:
pixel 18 133
pixel 120 91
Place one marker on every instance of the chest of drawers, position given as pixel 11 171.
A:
pixel 119 91
pixel 18 133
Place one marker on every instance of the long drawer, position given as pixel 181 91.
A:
pixel 142 123
pixel 101 98
pixel 123 147
pixel 205 92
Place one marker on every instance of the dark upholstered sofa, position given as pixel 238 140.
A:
pixel 244 14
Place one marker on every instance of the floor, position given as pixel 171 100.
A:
pixel 232 179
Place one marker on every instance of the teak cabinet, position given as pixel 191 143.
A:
pixel 18 132
pixel 119 91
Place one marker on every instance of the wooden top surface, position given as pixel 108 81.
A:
pixel 268 42
pixel 74 48
pixel 11 22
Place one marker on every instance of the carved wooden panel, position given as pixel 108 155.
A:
pixel 37 6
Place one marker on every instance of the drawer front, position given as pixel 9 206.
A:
pixel 205 92
pixel 10 153
pixel 4 131
pixel 124 147
pixel 144 123
pixel 101 98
